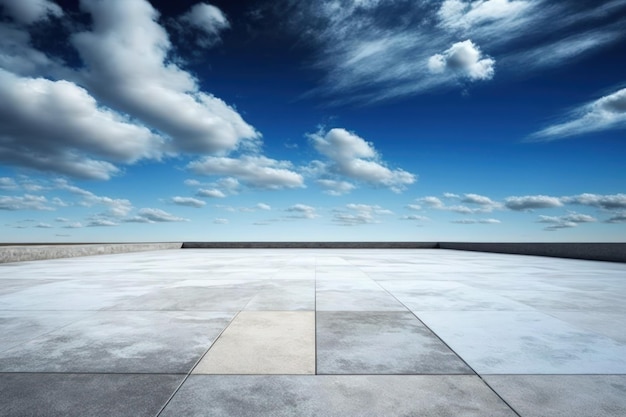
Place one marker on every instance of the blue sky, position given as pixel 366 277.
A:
pixel 338 120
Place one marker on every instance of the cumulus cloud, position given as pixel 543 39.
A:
pixel 25 202
pixel 153 215
pixel 211 193
pixel 302 211
pixel 352 157
pixel 608 112
pixel 7 183
pixel 415 207
pixel 618 218
pixel 531 202
pixel 188 201
pixel 486 205
pixel 30 11
pixel 101 223
pixel 220 221
pixel 208 20
pixel 57 126
pixel 606 202
pixel 44 226
pixel 359 214
pixel 336 188
pixel 465 59
pixel 564 222
pixel 126 57
pixel 253 171
pixel 263 206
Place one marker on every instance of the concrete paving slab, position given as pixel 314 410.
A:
pixel 264 342
pixel 150 342
pixel 284 295
pixel 18 327
pixel 357 300
pixel 346 395
pixel 563 395
pixel 611 325
pixel 381 343
pixel 426 295
pixel 8 286
pixel 507 342
pixel 81 395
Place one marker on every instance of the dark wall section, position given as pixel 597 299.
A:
pixel 310 245
pixel 613 252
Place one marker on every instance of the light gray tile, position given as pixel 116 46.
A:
pixel 380 343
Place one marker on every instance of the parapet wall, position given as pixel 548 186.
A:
pixel 612 252
pixel 19 253
pixel 310 245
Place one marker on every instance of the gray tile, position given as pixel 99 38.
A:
pixel 80 395
pixel 152 342
pixel 17 327
pixel 380 343
pixel 328 396
pixel 563 395
pixel 357 300
pixel 505 342
pixel 284 295
pixel 8 286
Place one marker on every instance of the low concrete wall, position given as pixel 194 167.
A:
pixel 34 252
pixel 613 252
pixel 309 245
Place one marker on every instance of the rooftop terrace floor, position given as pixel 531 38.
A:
pixel 312 332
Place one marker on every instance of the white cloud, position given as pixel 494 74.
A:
pixel 254 171
pixel 336 188
pixel 220 221
pixel 157 215
pixel 126 57
pixel 608 112
pixel 302 211
pixel 57 126
pixel 459 14
pixel 44 226
pixel 563 222
pixel 263 206
pixel 7 183
pixel 415 218
pixel 116 207
pixel 530 202
pixel 451 195
pixel 415 207
pixel 354 158
pixel 74 225
pixel 477 221
pixel 212 193
pixel 101 223
pixel 188 201
pixel 30 11
pixel 465 59
pixel 207 19
pixel 431 202
pixel 479 199
pixel 607 202
pixel 359 214
pixel 25 202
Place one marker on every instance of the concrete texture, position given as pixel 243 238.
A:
pixel 340 396
pixel 264 342
pixel 381 343
pixel 81 395
pixel 117 334
pixel 563 395
pixel 20 253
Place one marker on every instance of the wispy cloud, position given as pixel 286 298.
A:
pixel 188 201
pixel 302 211
pixel 359 214
pixel 531 202
pixel 608 112
pixel 565 222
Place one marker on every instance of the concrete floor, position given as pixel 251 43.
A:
pixel 312 332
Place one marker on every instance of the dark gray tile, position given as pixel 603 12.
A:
pixel 347 395
pixel 563 395
pixel 381 343
pixel 152 342
pixel 82 395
